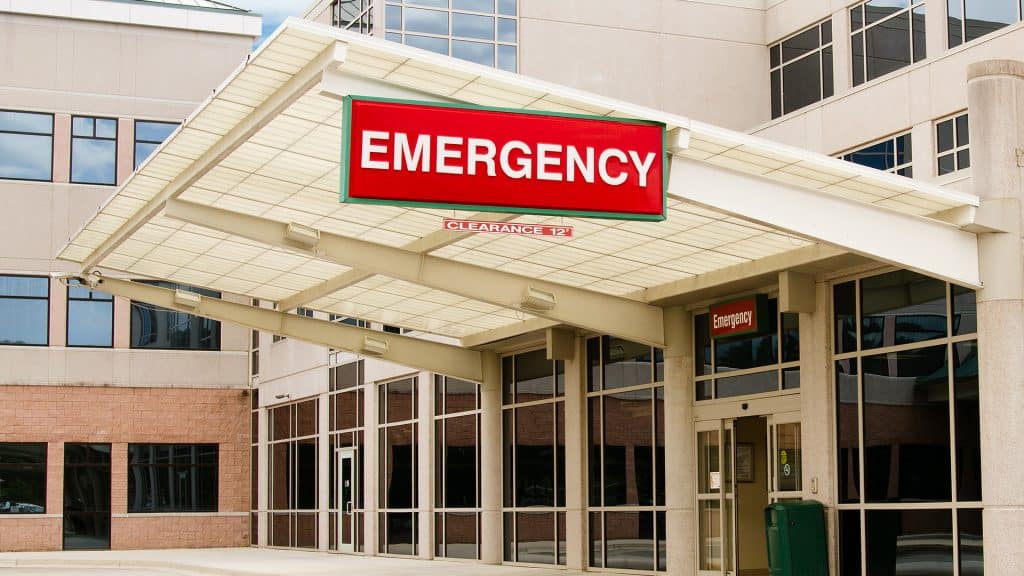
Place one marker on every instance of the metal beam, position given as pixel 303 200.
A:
pixel 288 93
pixel 928 246
pixel 586 309
pixel 432 241
pixel 420 354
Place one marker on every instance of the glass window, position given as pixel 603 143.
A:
pixel 355 15
pixel 22 478
pixel 898 538
pixel 886 35
pixel 26 146
pixel 93 150
pixel 952 138
pixel 149 136
pixel 890 155
pixel 90 317
pixel 901 307
pixel 24 307
pixel 160 328
pixel 972 19
pixel 467 29
pixel 801 69
pixel 172 477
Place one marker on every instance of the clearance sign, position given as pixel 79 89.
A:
pixel 439 155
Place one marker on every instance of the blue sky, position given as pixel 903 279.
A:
pixel 273 11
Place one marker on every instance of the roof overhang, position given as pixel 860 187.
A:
pixel 213 205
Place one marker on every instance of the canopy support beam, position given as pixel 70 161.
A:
pixel 602 313
pixel 414 352
pixel 928 246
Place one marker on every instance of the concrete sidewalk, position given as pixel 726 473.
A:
pixel 247 562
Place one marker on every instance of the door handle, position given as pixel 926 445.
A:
pixel 348 507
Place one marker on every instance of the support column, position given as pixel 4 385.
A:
pixel 576 525
pixel 680 455
pixel 262 476
pixel 817 428
pixel 490 461
pixel 370 467
pixel 324 457
pixel 995 92
pixel 425 469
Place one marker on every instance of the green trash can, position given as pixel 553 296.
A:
pixel 795 533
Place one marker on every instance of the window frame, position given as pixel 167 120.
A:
pixel 178 286
pixel 894 138
pixel 71 154
pixel 136 141
pixel 67 317
pixel 819 52
pixel 963 23
pixel 193 469
pixel 53 149
pixel 46 471
pixel 956 149
pixel 912 5
pixel 49 294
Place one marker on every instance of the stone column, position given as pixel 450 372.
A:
pixel 262 475
pixel 426 464
pixel 490 461
pixel 576 448
pixel 680 455
pixel 324 456
pixel 996 104
pixel 370 468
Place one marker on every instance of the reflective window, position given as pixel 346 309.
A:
pixel 481 31
pixel 90 317
pixel 801 69
pixel 893 154
pixel 26 146
pixel 172 477
pixel 971 19
pixel 149 136
pixel 952 144
pixel 457 468
pixel 898 538
pixel 22 478
pixel 93 150
pixel 886 35
pixel 347 430
pixel 901 307
pixel 292 474
pixel 355 15
pixel 24 308
pixel 398 495
pixel 160 328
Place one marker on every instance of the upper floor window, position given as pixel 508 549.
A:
pixel 160 328
pixel 90 317
pixel 481 31
pixel 24 310
pixel 801 69
pixel 355 15
pixel 22 478
pixel 149 136
pixel 886 36
pixel 26 146
pixel 93 150
pixel 971 19
pixel 890 155
pixel 952 144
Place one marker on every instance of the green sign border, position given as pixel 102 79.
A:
pixel 760 316
pixel 346 139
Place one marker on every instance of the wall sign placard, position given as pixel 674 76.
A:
pixel 744 316
pixel 520 228
pixel 446 156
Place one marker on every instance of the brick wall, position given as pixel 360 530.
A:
pixel 128 415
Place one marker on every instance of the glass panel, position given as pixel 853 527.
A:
pixel 801 82
pixel 106 128
pixel 399 461
pixel 82 126
pixel 22 478
pixel 26 122
pixel 401 533
pixel 160 328
pixel 625 363
pixel 955 13
pixel 427 21
pixel 856 18
pixel 710 535
pixel 900 538
pixel 439 45
pixel 396 37
pixel 790 378
pixel 507 7
pixel 595 461
pixel 477 52
pixel 26 156
pixel 849 542
pixel 460 396
pixel 826 31
pixel 474 26
pixel 507 58
pixel 947 164
pixel 431 3
pixel 596 541
pixel 460 465
pixel 788 456
pixel 963 159
pixel 90 320
pixel 535 537
pixel 750 351
pixel 965 310
pixel 970 542
pixel 535 457
pixel 875 10
pixel 776 80
pixel 790 337
pixel 506 30
pixel 847 431
pixel 393 17
pixel 709 474
pixel 857 51
pixel 887 45
pixel 702 344
pixel 986 16
pixel 918 30
pixel 153 131
pixel 749 384
pixel 908 463
pixel 93 161
pixel 305 418
pixel 86 496
pixel 629 540
pixel 305 474
pixel 534 376
pixel 473 5
pixel 25 318
pixel 774 56
pixel 460 535
pixel 508 458
pixel 659 446
pixel 628 455
pixel 963 131
pixel 968 435
pixel 901 307
pixel 827 76
pixel 400 400
pixel 944 134
pixel 800 45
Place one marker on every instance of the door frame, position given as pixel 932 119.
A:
pixel 347 453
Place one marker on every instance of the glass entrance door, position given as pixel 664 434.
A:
pixel 784 464
pixel 716 498
pixel 86 496
pixel 348 476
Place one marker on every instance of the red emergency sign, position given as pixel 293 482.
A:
pixel 746 316
pixel 439 155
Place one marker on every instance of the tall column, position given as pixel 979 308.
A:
pixel 680 455
pixel 324 457
pixel 490 461
pixel 262 476
pixel 996 105
pixel 370 468
pixel 576 526
pixel 425 469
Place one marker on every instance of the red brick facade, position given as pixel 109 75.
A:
pixel 120 416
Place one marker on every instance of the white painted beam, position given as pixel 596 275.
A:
pixel 291 91
pixel 586 309
pixel 928 246
pixel 421 354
